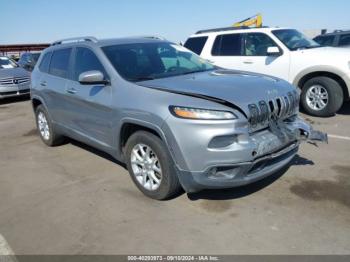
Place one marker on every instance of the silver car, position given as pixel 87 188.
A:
pixel 176 120
pixel 14 81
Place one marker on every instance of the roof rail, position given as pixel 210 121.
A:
pixel 76 39
pixel 222 29
pixel 153 37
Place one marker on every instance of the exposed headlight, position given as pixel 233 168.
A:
pixel 198 113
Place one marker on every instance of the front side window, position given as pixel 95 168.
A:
pixel 227 45
pixel 6 62
pixel 344 40
pixel 256 44
pixel 45 63
pixel 35 56
pixel 146 61
pixel 27 58
pixel 24 58
pixel 85 60
pixel 60 62
pixel 294 40
pixel 196 44
pixel 325 40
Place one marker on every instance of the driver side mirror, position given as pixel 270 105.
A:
pixel 93 77
pixel 273 51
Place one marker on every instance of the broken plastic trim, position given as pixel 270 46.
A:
pixel 318 136
pixel 307 133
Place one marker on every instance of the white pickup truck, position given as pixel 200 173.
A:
pixel 322 73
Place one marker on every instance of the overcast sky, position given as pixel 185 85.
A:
pixel 35 21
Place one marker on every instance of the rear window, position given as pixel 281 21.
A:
pixel 196 44
pixel 227 45
pixel 344 40
pixel 325 40
pixel 45 63
pixel 60 62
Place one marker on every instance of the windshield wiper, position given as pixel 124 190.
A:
pixel 196 71
pixel 314 46
pixel 306 47
pixel 141 78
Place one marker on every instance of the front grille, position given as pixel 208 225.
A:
pixel 264 112
pixel 14 80
pixel 10 93
pixel 24 91
pixel 279 107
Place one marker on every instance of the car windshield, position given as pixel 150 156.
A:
pixel 294 40
pixel 5 62
pixel 147 61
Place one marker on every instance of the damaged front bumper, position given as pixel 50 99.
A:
pixel 304 132
pixel 271 150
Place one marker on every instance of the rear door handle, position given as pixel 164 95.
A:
pixel 71 90
pixel 43 83
pixel 248 62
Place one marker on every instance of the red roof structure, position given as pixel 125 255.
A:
pixel 20 48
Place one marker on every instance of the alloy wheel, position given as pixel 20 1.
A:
pixel 43 126
pixel 146 167
pixel 317 97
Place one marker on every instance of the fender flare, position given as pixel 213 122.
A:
pixel 42 101
pixel 321 68
pixel 143 123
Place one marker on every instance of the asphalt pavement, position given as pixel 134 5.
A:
pixel 74 199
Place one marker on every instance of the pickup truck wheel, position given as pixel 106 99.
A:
pixel 322 96
pixel 150 166
pixel 45 128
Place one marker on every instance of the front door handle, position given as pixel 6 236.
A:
pixel 71 90
pixel 43 83
pixel 249 62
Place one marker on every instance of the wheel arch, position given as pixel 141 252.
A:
pixel 36 102
pixel 130 126
pixel 301 79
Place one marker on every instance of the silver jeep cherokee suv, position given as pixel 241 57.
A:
pixel 173 118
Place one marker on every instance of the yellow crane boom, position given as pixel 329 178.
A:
pixel 254 20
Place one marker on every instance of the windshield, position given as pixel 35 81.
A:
pixel 5 62
pixel 294 40
pixel 147 61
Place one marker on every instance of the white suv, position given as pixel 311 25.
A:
pixel 322 73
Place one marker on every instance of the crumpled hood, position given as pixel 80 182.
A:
pixel 13 72
pixel 235 87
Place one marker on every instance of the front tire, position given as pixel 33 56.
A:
pixel 321 96
pixel 150 166
pixel 45 128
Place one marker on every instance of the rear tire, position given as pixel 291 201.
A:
pixel 45 128
pixel 321 96
pixel 150 166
